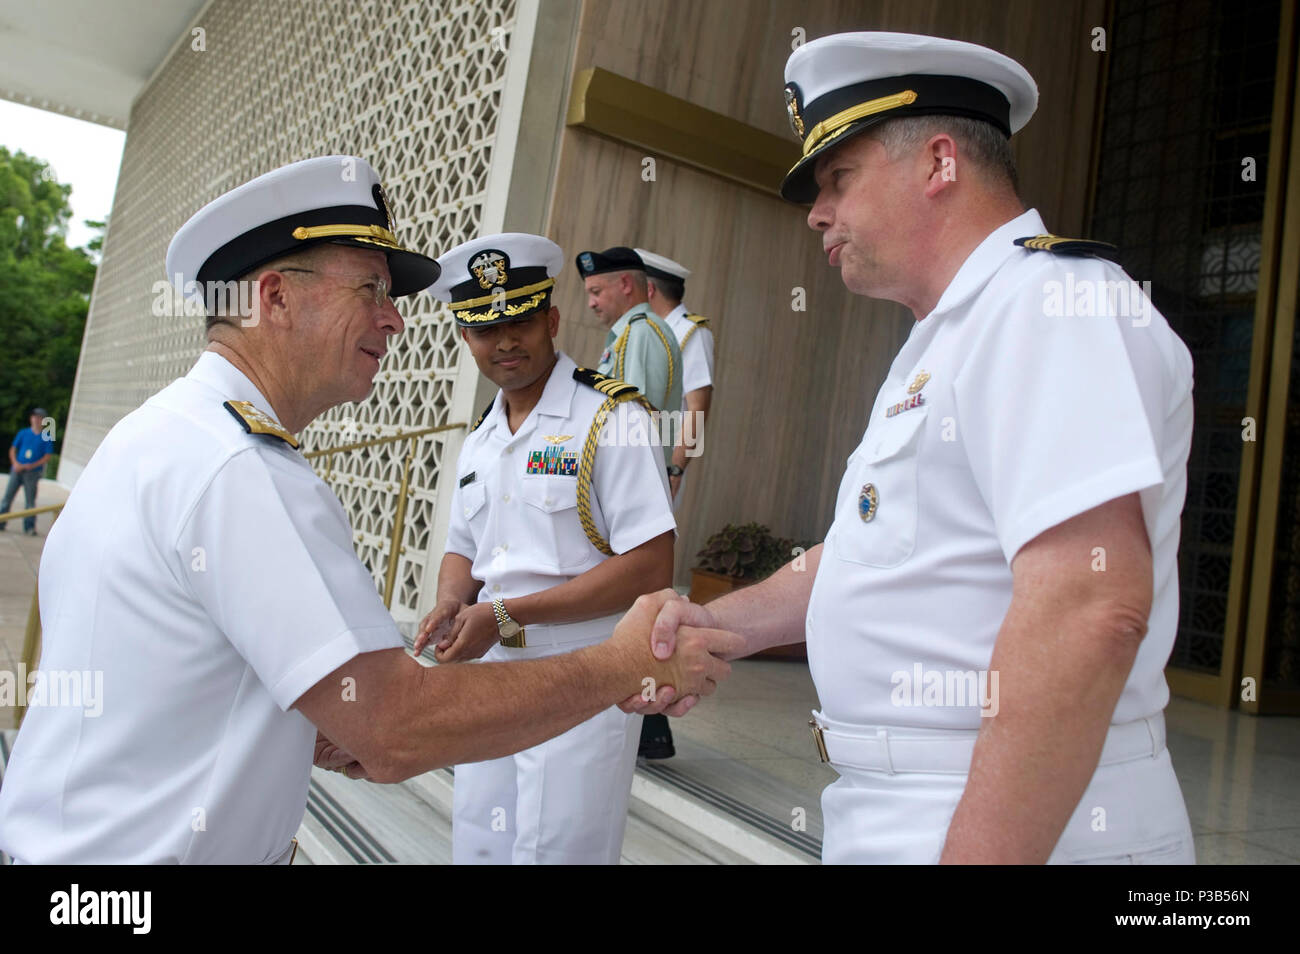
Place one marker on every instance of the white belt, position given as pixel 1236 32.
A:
pixel 564 634
pixel 892 749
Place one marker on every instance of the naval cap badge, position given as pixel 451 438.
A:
pixel 489 267
pixel 792 108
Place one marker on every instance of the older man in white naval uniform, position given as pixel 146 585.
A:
pixel 208 574
pixel 990 614
pixel 561 519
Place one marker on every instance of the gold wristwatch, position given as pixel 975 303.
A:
pixel 512 634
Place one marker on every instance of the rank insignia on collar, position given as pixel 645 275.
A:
pixel 553 460
pixel 918 382
pixel 256 421
pixel 558 438
pixel 868 501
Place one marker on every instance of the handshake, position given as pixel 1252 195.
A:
pixel 666 643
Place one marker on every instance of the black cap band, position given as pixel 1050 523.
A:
pixel 935 95
pixel 258 246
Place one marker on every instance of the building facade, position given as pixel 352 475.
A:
pixel 604 122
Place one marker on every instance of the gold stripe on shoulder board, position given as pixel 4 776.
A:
pixel 256 421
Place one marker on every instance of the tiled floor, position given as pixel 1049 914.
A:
pixel 1240 774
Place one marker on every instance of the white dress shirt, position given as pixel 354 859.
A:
pixel 696 342
pixel 1007 419
pixel 521 530
pixel 209 575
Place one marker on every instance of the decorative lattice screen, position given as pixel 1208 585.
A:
pixel 415 87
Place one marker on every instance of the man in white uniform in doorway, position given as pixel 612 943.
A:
pixel 665 288
pixel 989 616
pixel 560 520
pixel 202 585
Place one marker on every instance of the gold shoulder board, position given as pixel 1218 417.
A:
pixel 486 411
pixel 610 387
pixel 1067 246
pixel 255 421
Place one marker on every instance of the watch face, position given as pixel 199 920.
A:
pixel 508 628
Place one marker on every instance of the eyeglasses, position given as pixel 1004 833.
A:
pixel 377 287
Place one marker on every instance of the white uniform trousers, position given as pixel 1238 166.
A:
pixel 561 802
pixel 1132 811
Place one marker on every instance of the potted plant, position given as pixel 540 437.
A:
pixel 739 556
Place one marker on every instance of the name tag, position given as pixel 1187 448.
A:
pixel 468 478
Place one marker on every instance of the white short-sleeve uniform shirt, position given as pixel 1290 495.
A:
pixel 696 343
pixel 1005 413
pixel 209 574
pixel 514 513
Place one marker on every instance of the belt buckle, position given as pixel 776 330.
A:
pixel 819 738
pixel 514 642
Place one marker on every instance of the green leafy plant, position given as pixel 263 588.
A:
pixel 44 295
pixel 749 552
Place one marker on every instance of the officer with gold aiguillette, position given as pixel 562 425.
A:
pixel 559 521
pixel 640 348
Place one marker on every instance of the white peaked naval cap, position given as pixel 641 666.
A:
pixel 498 278
pixel 330 199
pixel 839 85
pixel 660 266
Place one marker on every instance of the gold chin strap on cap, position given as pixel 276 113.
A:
pixel 535 293
pixel 831 124
pixel 375 234
pixel 587 462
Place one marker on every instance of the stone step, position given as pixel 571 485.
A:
pixel 349 822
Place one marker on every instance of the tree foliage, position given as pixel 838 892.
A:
pixel 44 294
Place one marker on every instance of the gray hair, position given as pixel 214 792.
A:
pixel 639 278
pixel 230 299
pixel 980 142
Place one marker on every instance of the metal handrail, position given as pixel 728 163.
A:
pixel 400 436
pixel 395 548
pixel 35 511
pixel 32 634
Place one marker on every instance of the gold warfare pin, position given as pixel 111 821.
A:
pixel 918 382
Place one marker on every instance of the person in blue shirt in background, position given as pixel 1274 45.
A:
pixel 27 456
